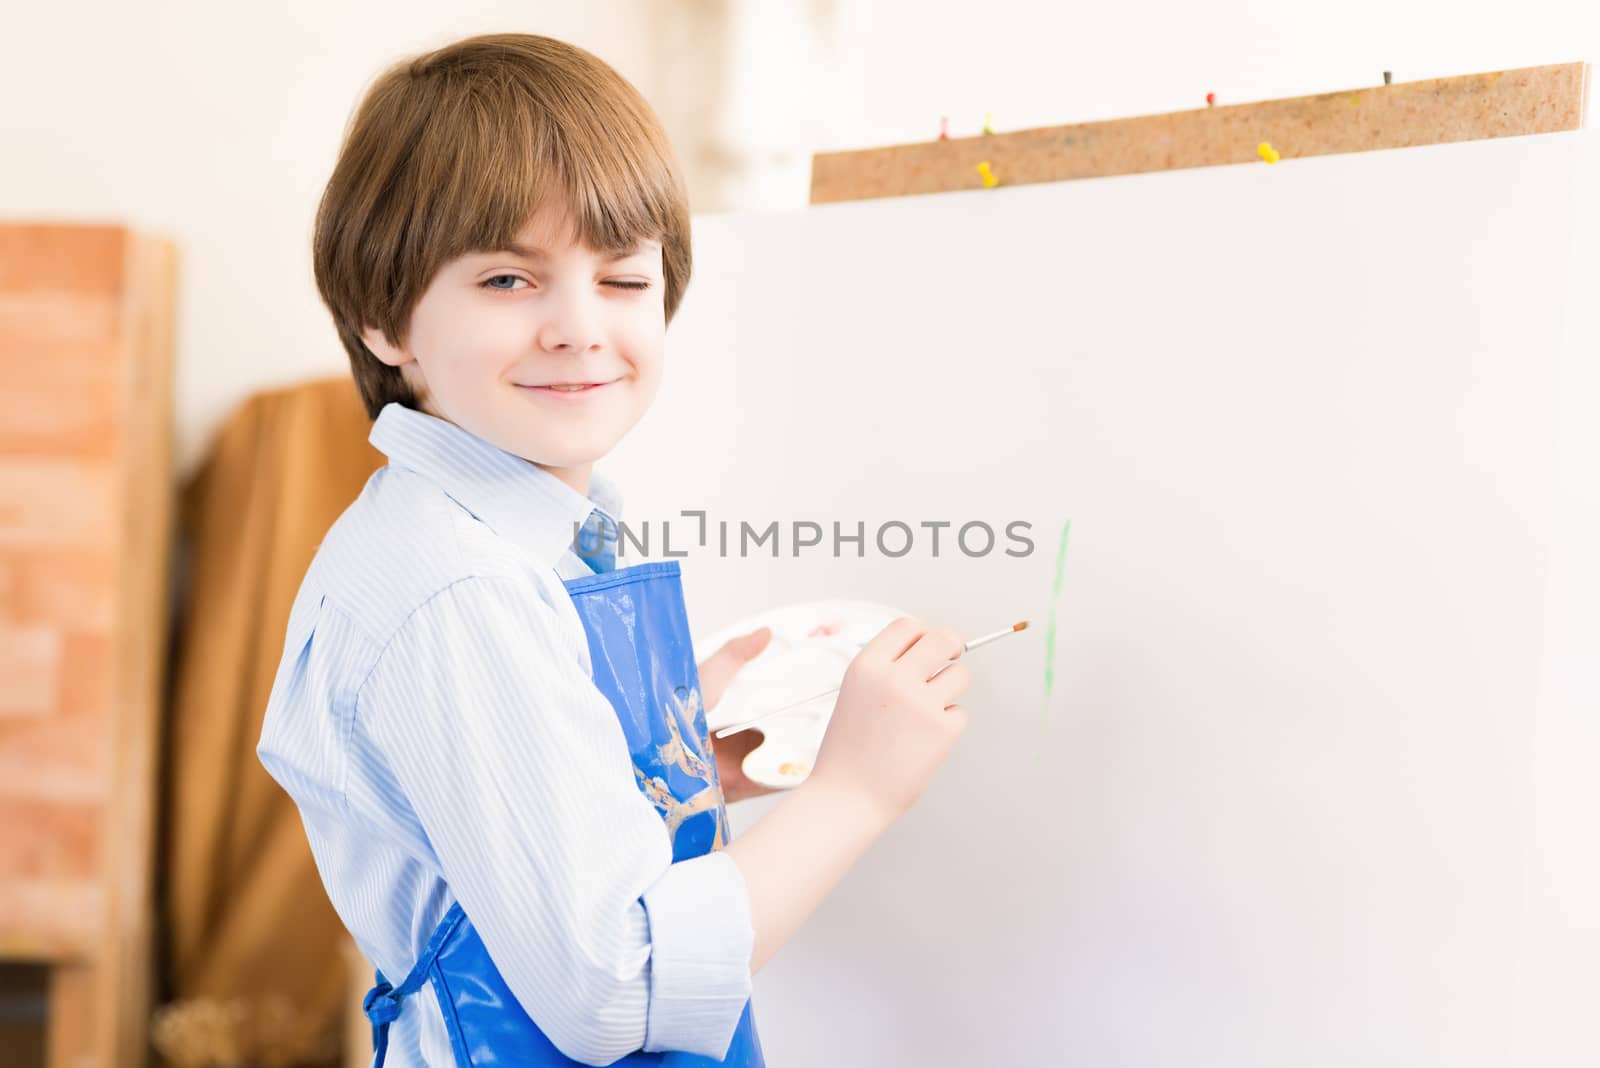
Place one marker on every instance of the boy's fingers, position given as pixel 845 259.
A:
pixel 933 650
pixel 894 639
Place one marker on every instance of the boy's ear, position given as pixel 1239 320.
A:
pixel 380 347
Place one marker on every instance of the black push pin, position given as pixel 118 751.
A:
pixel 1388 76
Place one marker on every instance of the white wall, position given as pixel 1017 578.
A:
pixel 1035 64
pixel 217 124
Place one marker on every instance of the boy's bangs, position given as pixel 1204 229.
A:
pixel 611 189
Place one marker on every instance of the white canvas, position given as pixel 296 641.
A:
pixel 1317 782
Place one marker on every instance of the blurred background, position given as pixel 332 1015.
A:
pixel 212 128
pixel 217 124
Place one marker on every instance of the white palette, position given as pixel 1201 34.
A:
pixel 811 646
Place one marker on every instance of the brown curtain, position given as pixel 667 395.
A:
pixel 253 961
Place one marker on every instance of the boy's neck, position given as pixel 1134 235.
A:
pixel 576 477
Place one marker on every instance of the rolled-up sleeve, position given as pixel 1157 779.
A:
pixel 700 965
pixel 518 772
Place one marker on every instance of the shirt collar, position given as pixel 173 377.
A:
pixel 517 499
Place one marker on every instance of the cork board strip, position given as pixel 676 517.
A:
pixel 1466 108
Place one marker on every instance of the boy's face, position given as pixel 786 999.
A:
pixel 494 331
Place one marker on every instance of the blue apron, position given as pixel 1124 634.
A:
pixel 644 663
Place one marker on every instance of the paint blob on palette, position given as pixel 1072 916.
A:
pixel 812 645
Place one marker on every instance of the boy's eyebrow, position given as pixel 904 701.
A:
pixel 533 252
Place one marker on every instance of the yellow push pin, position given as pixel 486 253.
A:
pixel 988 122
pixel 989 180
pixel 1267 152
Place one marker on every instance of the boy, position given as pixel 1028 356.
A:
pixel 497 745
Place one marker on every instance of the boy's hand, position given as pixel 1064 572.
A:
pixel 895 721
pixel 729 754
pixel 715 675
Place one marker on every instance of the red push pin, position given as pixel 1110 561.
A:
pixel 1211 100
pixel 944 127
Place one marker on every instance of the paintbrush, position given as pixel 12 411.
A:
pixel 735 728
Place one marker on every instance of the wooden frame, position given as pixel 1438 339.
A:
pixel 86 499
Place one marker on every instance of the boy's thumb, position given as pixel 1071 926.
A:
pixel 722 665
pixel 747 646
pixel 735 651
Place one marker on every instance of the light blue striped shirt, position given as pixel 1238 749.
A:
pixel 436 720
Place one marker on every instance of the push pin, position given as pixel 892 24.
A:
pixel 1211 100
pixel 944 127
pixel 1267 152
pixel 989 180
pixel 1388 77
pixel 988 122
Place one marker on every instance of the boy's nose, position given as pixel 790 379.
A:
pixel 567 341
pixel 568 329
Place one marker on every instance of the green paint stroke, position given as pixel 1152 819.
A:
pixel 1050 629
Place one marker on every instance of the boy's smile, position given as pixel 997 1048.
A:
pixel 565 389
pixel 547 349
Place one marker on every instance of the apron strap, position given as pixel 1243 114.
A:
pixel 382 1003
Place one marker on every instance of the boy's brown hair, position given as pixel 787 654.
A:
pixel 452 151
